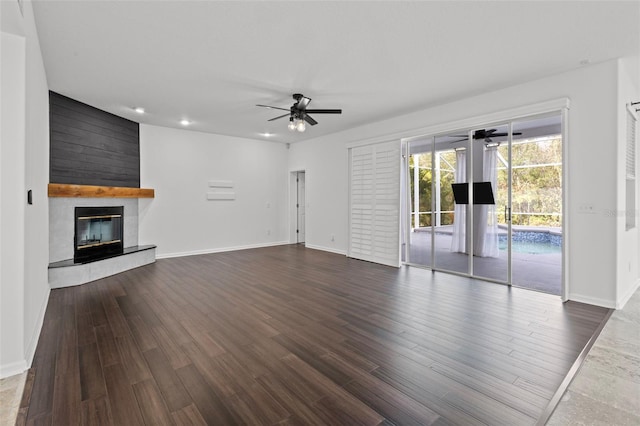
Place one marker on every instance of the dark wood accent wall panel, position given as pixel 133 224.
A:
pixel 90 146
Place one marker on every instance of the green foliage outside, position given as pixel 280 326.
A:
pixel 536 191
pixel 447 177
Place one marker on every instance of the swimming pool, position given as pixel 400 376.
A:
pixel 533 242
pixel 530 247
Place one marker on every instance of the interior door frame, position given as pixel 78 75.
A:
pixel 293 201
pixel 559 106
pixel 301 205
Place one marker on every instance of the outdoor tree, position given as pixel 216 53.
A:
pixel 536 183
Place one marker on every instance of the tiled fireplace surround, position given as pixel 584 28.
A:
pixel 62 271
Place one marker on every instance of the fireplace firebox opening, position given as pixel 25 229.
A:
pixel 98 233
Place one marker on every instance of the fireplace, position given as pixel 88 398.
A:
pixel 98 233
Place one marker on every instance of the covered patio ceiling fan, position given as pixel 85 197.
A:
pixel 483 134
pixel 299 114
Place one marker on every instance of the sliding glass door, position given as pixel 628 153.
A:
pixel 487 202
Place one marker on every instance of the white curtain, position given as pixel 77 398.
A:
pixel 486 243
pixel 459 239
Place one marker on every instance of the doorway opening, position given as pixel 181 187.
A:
pixel 298 206
pixel 487 202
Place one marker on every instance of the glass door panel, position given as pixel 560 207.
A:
pixel 420 199
pixel 490 203
pixel 450 213
pixel 536 203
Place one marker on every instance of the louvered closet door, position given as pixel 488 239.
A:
pixel 630 162
pixel 375 203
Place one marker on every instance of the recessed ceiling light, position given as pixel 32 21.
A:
pixel 185 122
pixel 139 110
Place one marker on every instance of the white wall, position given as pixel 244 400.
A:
pixel 24 155
pixel 592 161
pixel 627 267
pixel 12 152
pixel 180 220
pixel 325 164
pixel 37 179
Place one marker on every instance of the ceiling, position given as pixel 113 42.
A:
pixel 211 62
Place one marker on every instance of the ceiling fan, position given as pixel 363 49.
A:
pixel 483 134
pixel 299 114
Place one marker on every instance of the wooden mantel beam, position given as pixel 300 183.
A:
pixel 90 191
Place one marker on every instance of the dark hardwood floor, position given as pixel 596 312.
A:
pixel 288 335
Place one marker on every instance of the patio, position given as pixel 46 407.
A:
pixel 540 271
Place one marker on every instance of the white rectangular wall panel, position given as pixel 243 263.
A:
pixel 221 195
pixel 221 183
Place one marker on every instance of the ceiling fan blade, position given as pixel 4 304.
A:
pixel 303 102
pixel 478 134
pixel 482 134
pixel 501 134
pixel 324 111
pixel 310 120
pixel 272 107
pixel 280 116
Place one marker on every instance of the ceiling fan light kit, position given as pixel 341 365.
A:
pixel 296 123
pixel 299 114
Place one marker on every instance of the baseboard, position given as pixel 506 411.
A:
pixel 611 304
pixel 329 249
pixel 627 296
pixel 30 351
pixel 8 370
pixel 220 250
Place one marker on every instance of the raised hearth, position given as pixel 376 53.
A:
pixel 67 273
